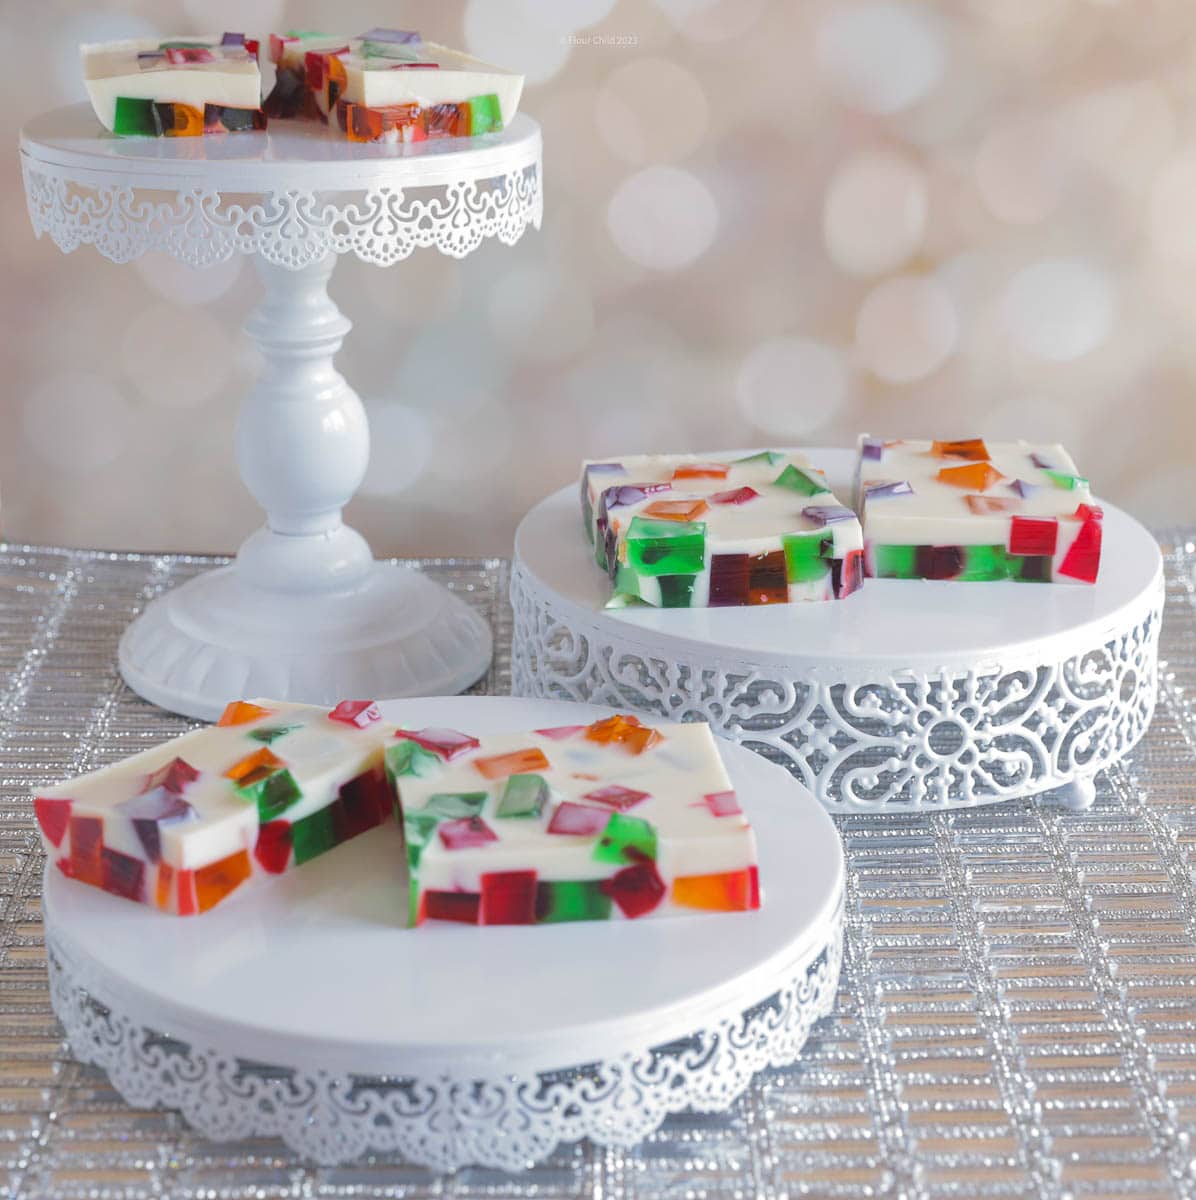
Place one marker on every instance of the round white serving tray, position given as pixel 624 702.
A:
pixel 302 1008
pixel 907 695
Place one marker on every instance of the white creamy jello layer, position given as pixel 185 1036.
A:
pixel 111 69
pixel 379 82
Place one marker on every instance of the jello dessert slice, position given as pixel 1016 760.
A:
pixel 184 824
pixel 180 87
pixel 683 531
pixel 605 821
pixel 973 510
pixel 389 85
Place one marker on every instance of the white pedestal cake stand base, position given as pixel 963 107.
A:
pixel 907 695
pixel 301 1008
pixel 305 613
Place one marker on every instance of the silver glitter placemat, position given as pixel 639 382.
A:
pixel 1017 1014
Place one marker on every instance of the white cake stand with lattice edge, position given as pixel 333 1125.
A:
pixel 301 1009
pixel 304 613
pixel 907 695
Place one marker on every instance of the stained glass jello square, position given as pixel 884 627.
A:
pixel 180 87
pixel 184 824
pixel 975 511
pixel 389 85
pixel 680 531
pixel 610 820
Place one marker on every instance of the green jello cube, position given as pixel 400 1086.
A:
pixel 312 835
pixel 134 118
pixel 626 840
pixel 523 796
pixel 895 562
pixel 807 556
pixel 571 900
pixel 1063 480
pixel 485 114
pixel 406 757
pixel 800 482
pixel 771 457
pixel 418 830
pixel 272 795
pixel 455 806
pixel 271 734
pixel 981 563
pixel 676 591
pixel 666 547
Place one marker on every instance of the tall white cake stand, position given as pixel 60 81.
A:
pixel 305 612
pixel 302 1009
pixel 908 695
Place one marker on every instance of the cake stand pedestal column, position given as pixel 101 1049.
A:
pixel 304 613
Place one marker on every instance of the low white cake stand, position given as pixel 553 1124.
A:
pixel 301 1008
pixel 304 613
pixel 906 695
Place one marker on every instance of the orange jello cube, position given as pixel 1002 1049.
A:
pixel 701 471
pixel 216 880
pixel 976 477
pixel 518 762
pixel 185 121
pixel 255 767
pixel 676 510
pixel 164 885
pixel 241 712
pixel 973 449
pixel 625 731
pixel 731 891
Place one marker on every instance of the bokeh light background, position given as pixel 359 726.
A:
pixel 766 222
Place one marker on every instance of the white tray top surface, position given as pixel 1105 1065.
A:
pixel 316 967
pixel 918 622
pixel 310 154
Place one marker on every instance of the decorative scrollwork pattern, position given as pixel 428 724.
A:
pixel 912 739
pixel 449 1120
pixel 291 227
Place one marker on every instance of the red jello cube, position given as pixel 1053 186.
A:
pixel 508 898
pixel 1033 535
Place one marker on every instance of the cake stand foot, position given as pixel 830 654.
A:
pixel 305 613
pixel 218 637
pixel 1079 795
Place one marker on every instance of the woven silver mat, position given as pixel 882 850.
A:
pixel 1017 1014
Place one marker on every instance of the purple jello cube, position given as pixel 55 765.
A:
pixel 632 493
pixel 1023 488
pixel 872 448
pixel 151 810
pixel 400 37
pixel 233 39
pixel 827 514
pixel 1042 463
pixel 899 487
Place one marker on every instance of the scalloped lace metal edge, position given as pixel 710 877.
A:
pixel 446 1121
pixel 291 227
